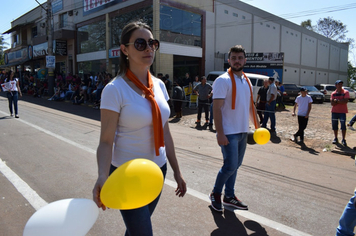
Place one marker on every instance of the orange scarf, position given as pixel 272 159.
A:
pixel 156 112
pixel 232 77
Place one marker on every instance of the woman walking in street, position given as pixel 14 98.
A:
pixel 134 122
pixel 13 92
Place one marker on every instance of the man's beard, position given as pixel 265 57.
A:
pixel 237 69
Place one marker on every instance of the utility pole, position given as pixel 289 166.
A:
pixel 50 47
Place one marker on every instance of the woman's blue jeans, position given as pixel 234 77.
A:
pixel 13 97
pixel 233 154
pixel 138 221
pixel 347 221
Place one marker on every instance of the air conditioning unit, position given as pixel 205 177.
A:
pixel 43 25
pixel 70 13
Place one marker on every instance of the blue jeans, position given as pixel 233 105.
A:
pixel 335 117
pixel 352 121
pixel 233 154
pixel 347 221
pixel 270 113
pixel 13 97
pixel 138 221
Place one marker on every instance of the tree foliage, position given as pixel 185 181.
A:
pixel 330 28
pixel 351 74
pixel 2 48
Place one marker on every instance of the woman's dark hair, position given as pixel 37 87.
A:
pixel 8 74
pixel 125 38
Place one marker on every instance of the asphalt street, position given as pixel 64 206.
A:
pixel 51 148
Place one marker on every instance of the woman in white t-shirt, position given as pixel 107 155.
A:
pixel 132 126
pixel 13 91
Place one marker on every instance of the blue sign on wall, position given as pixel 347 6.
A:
pixel 57 5
pixel 90 6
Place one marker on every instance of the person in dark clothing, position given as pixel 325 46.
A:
pixel 261 100
pixel 203 90
pixel 178 97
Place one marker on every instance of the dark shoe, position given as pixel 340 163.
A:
pixel 17 116
pixel 235 202
pixel 335 141
pixel 215 199
pixel 343 142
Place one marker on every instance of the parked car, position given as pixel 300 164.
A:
pixel 291 92
pixel 326 89
pixel 351 92
pixel 314 93
pixel 256 80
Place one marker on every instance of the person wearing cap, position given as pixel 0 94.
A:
pixel 338 100
pixel 304 104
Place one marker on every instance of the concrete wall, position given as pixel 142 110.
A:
pixel 323 55
pixel 309 45
pixel 266 36
pixel 290 45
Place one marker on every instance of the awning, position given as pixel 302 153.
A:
pixel 16 27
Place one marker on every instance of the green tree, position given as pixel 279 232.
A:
pixel 2 48
pixel 351 74
pixel 307 24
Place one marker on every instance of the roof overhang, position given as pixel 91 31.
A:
pixel 19 26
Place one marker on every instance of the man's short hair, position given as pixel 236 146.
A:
pixel 271 79
pixel 237 48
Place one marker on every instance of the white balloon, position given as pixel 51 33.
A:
pixel 67 217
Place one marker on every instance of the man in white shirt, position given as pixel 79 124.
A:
pixel 233 106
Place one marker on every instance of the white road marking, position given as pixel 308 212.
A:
pixel 37 202
pixel 31 196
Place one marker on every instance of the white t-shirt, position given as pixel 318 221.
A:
pixel 233 121
pixel 303 103
pixel 134 136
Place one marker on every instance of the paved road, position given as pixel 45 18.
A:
pixel 52 149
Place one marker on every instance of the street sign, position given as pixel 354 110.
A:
pixel 50 61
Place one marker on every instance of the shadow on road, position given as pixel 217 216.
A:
pixel 228 224
pixel 304 147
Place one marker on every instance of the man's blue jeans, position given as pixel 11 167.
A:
pixel 347 221
pixel 233 154
pixel 270 113
pixel 138 221
pixel 13 97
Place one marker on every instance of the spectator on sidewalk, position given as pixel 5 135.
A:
pixel 304 104
pixel 178 97
pixel 339 99
pixel 270 110
pixel 203 90
pixel 233 106
pixel 261 99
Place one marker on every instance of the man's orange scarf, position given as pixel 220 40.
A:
pixel 234 93
pixel 156 112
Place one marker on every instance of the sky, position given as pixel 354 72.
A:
pixel 292 10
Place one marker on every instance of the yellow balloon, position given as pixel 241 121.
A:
pixel 134 184
pixel 261 136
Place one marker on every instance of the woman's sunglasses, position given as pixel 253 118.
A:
pixel 141 44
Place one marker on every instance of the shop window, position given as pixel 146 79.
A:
pixel 179 26
pixel 91 38
pixel 118 22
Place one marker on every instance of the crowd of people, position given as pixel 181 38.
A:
pixel 85 88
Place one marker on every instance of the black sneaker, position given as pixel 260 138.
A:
pixel 343 142
pixel 215 199
pixel 235 202
pixel 335 141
